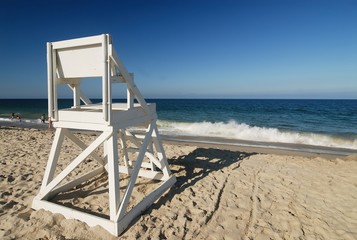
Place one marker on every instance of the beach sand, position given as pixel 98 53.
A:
pixel 220 194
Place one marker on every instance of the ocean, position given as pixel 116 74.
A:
pixel 326 123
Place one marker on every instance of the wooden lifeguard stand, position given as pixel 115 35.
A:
pixel 69 62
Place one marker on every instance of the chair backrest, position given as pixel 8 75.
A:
pixel 71 60
pixel 80 58
pixel 80 62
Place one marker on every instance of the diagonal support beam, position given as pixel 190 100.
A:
pixel 82 96
pixel 104 136
pixel 150 155
pixel 122 139
pixel 128 79
pixel 125 221
pixel 53 157
pixel 82 145
pixel 75 182
pixel 160 152
pixel 135 172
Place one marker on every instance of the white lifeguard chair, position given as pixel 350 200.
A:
pixel 70 62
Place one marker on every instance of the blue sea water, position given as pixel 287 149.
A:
pixel 330 123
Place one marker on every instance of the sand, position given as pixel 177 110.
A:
pixel 220 194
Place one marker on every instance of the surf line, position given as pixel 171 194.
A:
pixel 314 149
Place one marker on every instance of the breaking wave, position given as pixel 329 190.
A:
pixel 27 123
pixel 242 131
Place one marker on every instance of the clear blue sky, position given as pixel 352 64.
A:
pixel 192 49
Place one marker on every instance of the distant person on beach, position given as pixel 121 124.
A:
pixel 18 117
pixel 12 116
pixel 43 118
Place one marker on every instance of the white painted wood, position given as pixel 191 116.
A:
pixel 134 117
pixel 78 42
pixel 76 96
pixel 130 99
pixel 121 107
pixel 160 152
pixel 53 158
pixel 68 62
pixel 71 184
pixel 134 174
pixel 123 119
pixel 128 78
pixel 114 227
pixel 82 145
pixel 125 220
pixel 153 161
pixel 122 140
pixel 105 155
pixel 105 77
pixel 50 80
pixel 104 136
pixel 54 87
pixel 113 175
pixel 149 154
pixel 81 116
pixel 71 213
pixel 81 126
pixel 83 97
pixel 80 62
pixel 143 173
pixel 130 95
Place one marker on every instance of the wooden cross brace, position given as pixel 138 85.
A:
pixel 119 218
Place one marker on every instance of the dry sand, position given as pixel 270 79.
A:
pixel 220 194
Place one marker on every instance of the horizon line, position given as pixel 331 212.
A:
pixel 198 98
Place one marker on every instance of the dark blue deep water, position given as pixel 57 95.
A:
pixel 320 122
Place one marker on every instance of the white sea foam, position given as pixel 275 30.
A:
pixel 242 131
pixel 33 121
pixel 28 123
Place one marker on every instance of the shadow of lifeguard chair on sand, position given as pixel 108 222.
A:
pixel 69 62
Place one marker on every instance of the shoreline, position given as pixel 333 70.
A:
pixel 261 147
pixel 227 143
pixel 24 123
